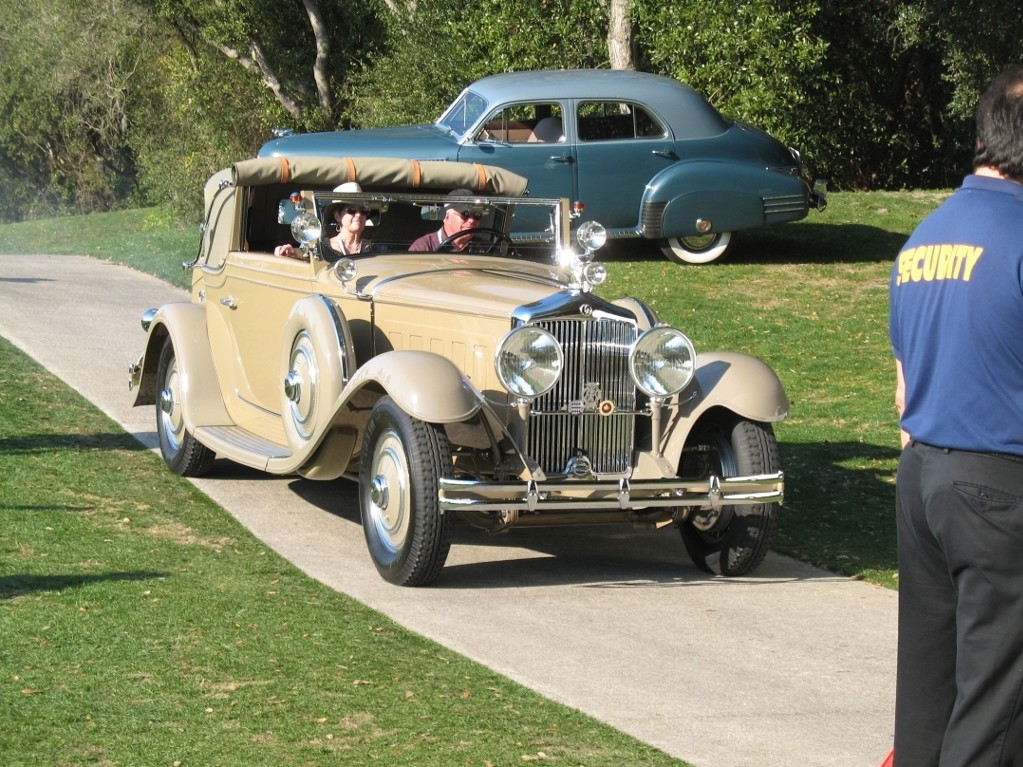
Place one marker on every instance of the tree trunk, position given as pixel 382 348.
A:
pixel 319 28
pixel 619 35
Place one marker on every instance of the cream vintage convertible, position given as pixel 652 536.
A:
pixel 492 386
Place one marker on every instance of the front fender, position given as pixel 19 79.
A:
pixel 731 381
pixel 728 196
pixel 425 385
pixel 740 383
pixel 185 324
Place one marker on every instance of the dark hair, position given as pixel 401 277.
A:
pixel 1000 125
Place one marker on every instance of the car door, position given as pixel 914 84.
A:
pixel 529 139
pixel 620 146
pixel 248 296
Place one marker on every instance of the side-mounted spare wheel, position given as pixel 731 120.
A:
pixel 734 539
pixel 316 362
pixel 402 457
pixel 181 451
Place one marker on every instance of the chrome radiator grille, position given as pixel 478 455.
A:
pixel 573 417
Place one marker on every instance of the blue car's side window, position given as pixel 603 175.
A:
pixel 525 124
pixel 616 121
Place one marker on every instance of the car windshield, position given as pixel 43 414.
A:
pixel 463 113
pixel 395 220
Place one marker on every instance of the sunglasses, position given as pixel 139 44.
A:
pixel 352 211
pixel 467 215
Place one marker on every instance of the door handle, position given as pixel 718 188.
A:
pixel 562 158
pixel 668 154
pixel 229 302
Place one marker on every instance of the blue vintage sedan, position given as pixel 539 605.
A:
pixel 644 155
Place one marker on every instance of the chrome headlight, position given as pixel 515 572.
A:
pixel 591 236
pixel 529 361
pixel 345 270
pixel 663 362
pixel 305 228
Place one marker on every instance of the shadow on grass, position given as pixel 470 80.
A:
pixel 839 508
pixel 32 444
pixel 803 243
pixel 12 586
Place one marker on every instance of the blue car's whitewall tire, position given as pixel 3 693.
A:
pixel 700 249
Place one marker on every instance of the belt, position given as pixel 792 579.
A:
pixel 1004 456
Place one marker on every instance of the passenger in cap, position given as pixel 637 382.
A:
pixel 458 217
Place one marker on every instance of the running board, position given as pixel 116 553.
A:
pixel 241 445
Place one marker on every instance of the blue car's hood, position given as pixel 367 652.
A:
pixel 421 142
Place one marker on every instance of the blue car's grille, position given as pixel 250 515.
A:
pixel 591 411
pixel 784 206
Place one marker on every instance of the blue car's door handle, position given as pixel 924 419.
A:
pixel 668 154
pixel 565 158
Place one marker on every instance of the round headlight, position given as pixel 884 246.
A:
pixel 529 361
pixel 345 269
pixel 591 236
pixel 663 362
pixel 594 273
pixel 305 228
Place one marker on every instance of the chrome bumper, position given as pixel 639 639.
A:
pixel 619 495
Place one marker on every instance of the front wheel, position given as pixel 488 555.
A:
pixel 402 457
pixel 182 453
pixel 734 539
pixel 698 249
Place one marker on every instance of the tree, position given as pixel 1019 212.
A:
pixel 438 47
pixel 749 58
pixel 909 75
pixel 304 52
pixel 66 75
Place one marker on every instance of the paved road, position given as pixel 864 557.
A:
pixel 792 666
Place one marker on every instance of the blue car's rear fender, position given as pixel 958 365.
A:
pixel 730 197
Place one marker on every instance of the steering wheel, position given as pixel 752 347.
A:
pixel 495 237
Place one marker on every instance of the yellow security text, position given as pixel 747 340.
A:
pixel 928 263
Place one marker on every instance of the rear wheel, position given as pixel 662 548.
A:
pixel 402 458
pixel 734 539
pixel 181 451
pixel 699 249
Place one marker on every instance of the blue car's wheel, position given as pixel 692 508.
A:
pixel 699 249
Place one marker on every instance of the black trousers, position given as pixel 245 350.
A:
pixel 959 691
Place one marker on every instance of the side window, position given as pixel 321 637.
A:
pixel 617 121
pixel 262 226
pixel 524 124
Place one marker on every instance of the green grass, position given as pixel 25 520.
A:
pixel 809 298
pixel 142 625
pixel 144 239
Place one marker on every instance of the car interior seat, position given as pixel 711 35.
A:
pixel 548 130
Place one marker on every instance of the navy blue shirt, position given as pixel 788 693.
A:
pixel 956 320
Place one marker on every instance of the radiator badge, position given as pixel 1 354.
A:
pixel 607 407
pixel 591 396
